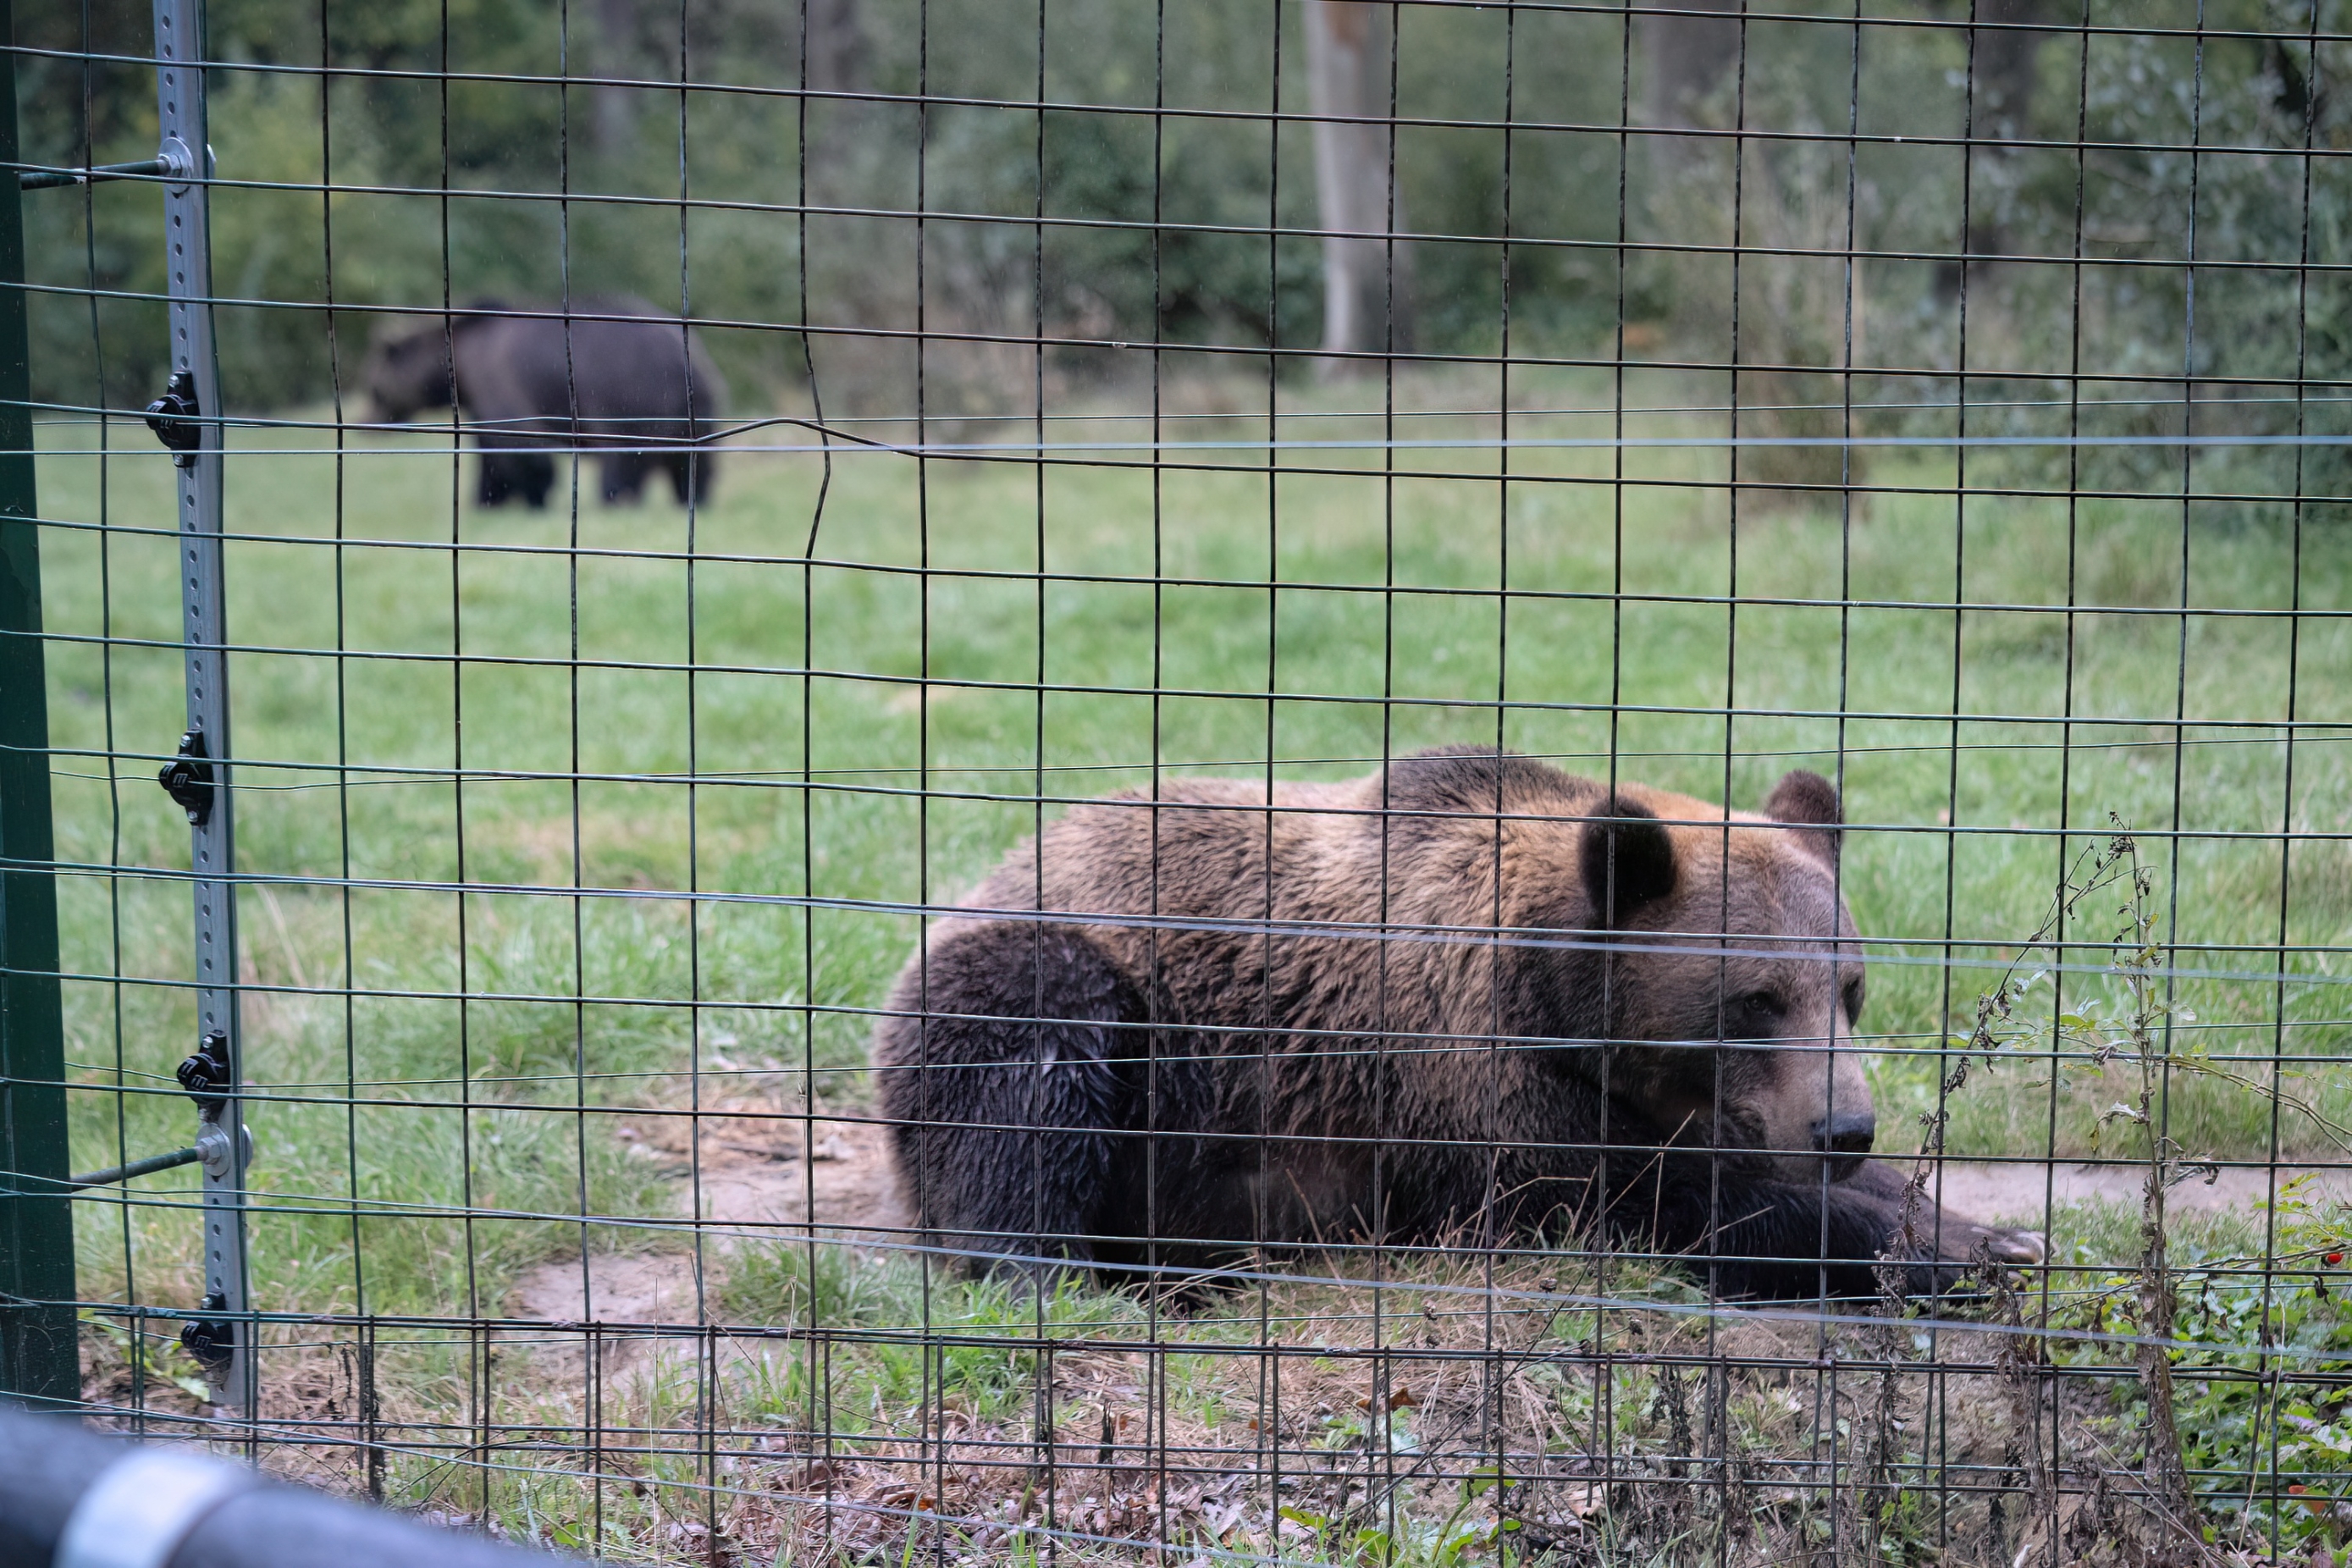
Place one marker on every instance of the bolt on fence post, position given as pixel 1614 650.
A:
pixel 188 419
pixel 38 1359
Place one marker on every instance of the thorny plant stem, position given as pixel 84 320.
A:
pixel 2133 1038
pixel 2167 1475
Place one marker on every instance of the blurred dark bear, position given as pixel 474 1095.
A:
pixel 1469 998
pixel 617 377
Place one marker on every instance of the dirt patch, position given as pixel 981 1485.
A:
pixel 636 1292
pixel 758 1182
pixel 655 1288
pixel 2019 1193
pixel 847 1186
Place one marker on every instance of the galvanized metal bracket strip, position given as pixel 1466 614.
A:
pixel 224 1344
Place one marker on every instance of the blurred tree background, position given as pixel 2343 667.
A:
pixel 2023 146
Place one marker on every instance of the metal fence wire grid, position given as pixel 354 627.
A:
pixel 1261 781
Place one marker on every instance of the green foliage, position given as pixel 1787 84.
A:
pixel 151 1351
pixel 967 1343
pixel 511 144
pixel 2265 1428
pixel 2261 1345
pixel 283 252
pixel 791 1283
pixel 1158 227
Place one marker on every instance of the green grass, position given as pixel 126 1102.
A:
pixel 1354 620
pixel 391 1112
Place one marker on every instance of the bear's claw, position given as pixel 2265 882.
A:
pixel 1966 1242
pixel 1968 1257
pixel 2023 1247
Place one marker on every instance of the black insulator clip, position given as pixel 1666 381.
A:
pixel 188 779
pixel 173 416
pixel 205 1074
pixel 210 1340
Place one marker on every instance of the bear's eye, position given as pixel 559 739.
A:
pixel 1853 999
pixel 1753 1016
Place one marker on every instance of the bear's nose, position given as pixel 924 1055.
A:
pixel 1845 1139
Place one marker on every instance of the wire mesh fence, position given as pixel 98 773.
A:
pixel 1270 779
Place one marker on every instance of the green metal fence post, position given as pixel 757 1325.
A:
pixel 39 1356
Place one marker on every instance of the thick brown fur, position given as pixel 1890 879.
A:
pixel 1469 997
pixel 619 378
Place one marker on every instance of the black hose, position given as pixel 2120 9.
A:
pixel 46 179
pixel 147 1167
pixel 47 1462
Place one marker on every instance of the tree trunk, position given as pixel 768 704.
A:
pixel 2006 65
pixel 1367 271
pixel 615 108
pixel 836 46
pixel 2003 65
pixel 1686 56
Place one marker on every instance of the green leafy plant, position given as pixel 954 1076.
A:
pixel 2235 1414
pixel 153 1355
pixel 2265 1426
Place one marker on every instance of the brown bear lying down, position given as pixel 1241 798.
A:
pixel 1552 1042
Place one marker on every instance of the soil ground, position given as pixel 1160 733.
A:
pixel 846 1188
pixel 849 1188
pixel 2019 1193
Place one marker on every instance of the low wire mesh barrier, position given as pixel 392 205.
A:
pixel 1267 781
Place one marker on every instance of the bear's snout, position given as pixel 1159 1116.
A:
pixel 1845 1139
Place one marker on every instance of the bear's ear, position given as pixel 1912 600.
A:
pixel 1811 800
pixel 1628 861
